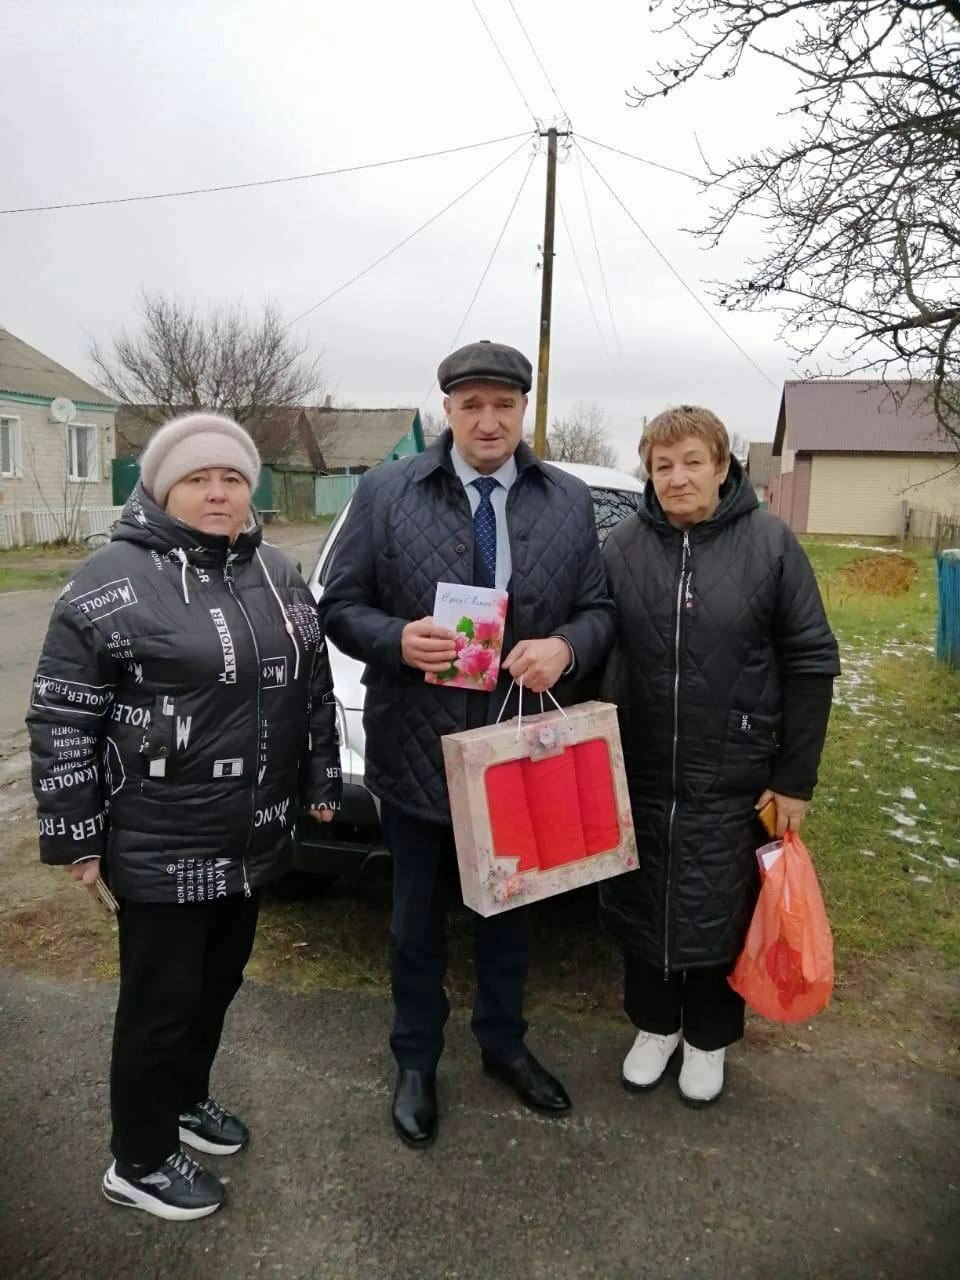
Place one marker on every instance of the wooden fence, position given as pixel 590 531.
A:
pixel 922 527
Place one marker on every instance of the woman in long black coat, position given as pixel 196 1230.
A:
pixel 723 671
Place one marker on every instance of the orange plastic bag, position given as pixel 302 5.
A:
pixel 785 971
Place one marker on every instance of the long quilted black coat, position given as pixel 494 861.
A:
pixel 710 626
pixel 410 527
pixel 175 721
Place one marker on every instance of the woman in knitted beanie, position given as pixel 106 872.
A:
pixel 182 712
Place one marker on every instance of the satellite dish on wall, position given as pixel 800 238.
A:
pixel 63 410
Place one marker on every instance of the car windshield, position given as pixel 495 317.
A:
pixel 610 506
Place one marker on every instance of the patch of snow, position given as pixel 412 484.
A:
pixel 868 853
pixel 907 793
pixel 899 834
pixel 953 863
pixel 922 880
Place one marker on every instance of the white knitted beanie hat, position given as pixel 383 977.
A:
pixel 191 443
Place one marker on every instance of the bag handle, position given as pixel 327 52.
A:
pixel 518 684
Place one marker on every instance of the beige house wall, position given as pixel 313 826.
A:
pixel 42 483
pixel 853 493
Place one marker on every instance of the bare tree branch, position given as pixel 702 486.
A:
pixel 862 204
pixel 181 359
pixel 581 436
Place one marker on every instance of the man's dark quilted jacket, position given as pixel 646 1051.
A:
pixel 700 660
pixel 182 708
pixel 410 527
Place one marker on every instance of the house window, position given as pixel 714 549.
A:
pixel 10 447
pixel 83 452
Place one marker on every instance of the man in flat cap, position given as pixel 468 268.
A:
pixel 478 507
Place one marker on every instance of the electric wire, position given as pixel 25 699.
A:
pixel 596 246
pixel 263 182
pixel 406 239
pixel 667 263
pixel 583 278
pixel 452 345
pixel 516 82
pixel 654 164
pixel 533 50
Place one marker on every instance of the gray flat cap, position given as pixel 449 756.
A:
pixel 485 361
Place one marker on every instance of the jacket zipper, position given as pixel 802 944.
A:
pixel 685 555
pixel 228 579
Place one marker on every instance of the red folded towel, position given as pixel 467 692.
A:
pixel 598 800
pixel 554 805
pixel 510 815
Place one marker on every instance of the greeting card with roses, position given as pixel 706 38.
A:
pixel 476 615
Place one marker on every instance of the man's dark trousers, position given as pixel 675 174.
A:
pixel 180 967
pixel 423 853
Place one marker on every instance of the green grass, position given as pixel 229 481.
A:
pixel 895 726
pixel 16 579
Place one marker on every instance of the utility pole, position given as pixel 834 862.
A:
pixel 546 292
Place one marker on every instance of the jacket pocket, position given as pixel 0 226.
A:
pixel 166 737
pixel 751 745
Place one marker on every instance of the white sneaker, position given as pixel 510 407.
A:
pixel 701 1076
pixel 644 1065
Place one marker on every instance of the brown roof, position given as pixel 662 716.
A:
pixel 760 465
pixel 28 372
pixel 840 415
pixel 356 437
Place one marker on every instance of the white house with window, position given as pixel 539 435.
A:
pixel 57 445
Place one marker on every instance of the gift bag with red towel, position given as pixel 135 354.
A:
pixel 539 805
pixel 785 971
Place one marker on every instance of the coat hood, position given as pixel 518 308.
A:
pixel 737 498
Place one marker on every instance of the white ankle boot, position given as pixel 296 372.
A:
pixel 644 1065
pixel 701 1076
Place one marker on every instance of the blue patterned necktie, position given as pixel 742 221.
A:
pixel 485 534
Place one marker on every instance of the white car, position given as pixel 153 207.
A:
pixel 353 845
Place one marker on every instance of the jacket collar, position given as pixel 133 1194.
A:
pixel 437 458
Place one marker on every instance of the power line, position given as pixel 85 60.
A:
pixel 486 270
pixel 666 261
pixel 654 164
pixel 263 182
pixel 596 246
pixel 583 278
pixel 406 239
pixel 516 82
pixel 537 56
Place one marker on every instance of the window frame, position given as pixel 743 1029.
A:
pixel 13 423
pixel 93 461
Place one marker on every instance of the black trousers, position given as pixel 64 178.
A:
pixel 180 967
pixel 699 1001
pixel 423 854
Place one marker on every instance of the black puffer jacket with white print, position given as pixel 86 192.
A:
pixel 182 708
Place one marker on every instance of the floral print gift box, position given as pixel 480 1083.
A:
pixel 539 805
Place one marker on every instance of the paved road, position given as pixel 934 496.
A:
pixel 807 1168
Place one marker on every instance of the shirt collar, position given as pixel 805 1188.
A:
pixel 506 474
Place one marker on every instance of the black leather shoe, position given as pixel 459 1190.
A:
pixel 534 1085
pixel 415 1107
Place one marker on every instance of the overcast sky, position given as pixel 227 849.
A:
pixel 100 98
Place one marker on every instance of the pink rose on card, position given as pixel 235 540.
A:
pixel 474 660
pixel 488 631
